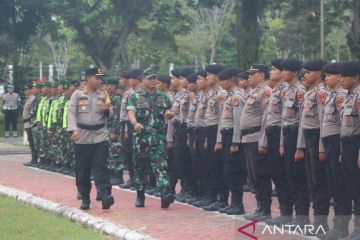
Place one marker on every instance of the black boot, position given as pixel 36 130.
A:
pixel 78 196
pixel 237 207
pixel 167 198
pixel 85 204
pixel 140 199
pixel 284 218
pixel 265 212
pixel 127 185
pixel 107 200
pixel 98 195
pixel 256 212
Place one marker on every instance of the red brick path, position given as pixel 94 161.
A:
pixel 180 221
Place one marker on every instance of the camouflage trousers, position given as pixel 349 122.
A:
pixel 43 143
pixel 36 137
pixel 53 148
pixel 68 149
pixel 149 158
pixel 116 156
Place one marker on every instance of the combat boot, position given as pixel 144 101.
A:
pixel 236 207
pixel 140 199
pixel 256 212
pixel 98 195
pixel 78 196
pixel 126 185
pixel 167 198
pixel 85 204
pixel 107 200
pixel 284 218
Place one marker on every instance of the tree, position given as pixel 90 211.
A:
pixel 353 37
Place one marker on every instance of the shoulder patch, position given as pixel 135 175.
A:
pixel 322 96
pixel 339 101
pixel 300 97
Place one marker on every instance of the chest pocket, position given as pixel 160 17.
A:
pixel 329 113
pixel 83 106
pixel 213 106
pixel 290 107
pixel 309 108
pixel 142 112
pixel 275 104
pixel 184 105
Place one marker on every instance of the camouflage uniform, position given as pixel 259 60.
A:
pixel 149 145
pixel 41 127
pixel 69 153
pixel 35 126
pixel 53 132
pixel 116 158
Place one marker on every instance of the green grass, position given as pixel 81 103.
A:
pixel 22 222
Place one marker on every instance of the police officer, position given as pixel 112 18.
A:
pixel 250 125
pixel 147 111
pixel 88 111
pixel 27 118
pixel 350 137
pixel 330 134
pixel 291 145
pixel 234 164
pixel 314 103
pixel 10 104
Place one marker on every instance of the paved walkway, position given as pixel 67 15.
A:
pixel 180 221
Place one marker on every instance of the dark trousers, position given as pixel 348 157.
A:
pixel 316 172
pixel 92 157
pixel 295 174
pixel 349 153
pixel 30 138
pixel 277 164
pixel 235 167
pixel 171 169
pixel 10 118
pixel 260 168
pixel 182 157
pixel 336 175
pixel 194 159
pixel 128 148
pixel 201 161
pixel 217 178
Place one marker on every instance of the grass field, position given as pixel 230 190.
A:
pixel 22 222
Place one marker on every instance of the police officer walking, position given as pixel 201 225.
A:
pixel 10 104
pixel 88 111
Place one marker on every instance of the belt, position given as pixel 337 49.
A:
pixel 273 129
pixel 91 127
pixel 10 108
pixel 290 129
pixel 350 139
pixel 309 132
pixel 226 130
pixel 27 120
pixel 250 130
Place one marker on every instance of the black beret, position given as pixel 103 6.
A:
pixel 135 73
pixel 109 80
pixel 175 73
pixel 292 64
pixel 186 72
pixel 332 68
pixel 28 85
pixel 125 74
pixel 350 69
pixel 243 75
pixel 239 70
pixel 192 78
pixel 214 68
pixel 278 63
pixel 316 65
pixel 259 68
pixel 228 73
pixel 93 72
pixel 164 79
pixel 202 73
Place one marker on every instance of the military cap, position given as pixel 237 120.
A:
pixel 192 78
pixel 214 68
pixel 186 72
pixel 278 63
pixel 10 85
pixel 135 73
pixel 74 82
pixel 93 72
pixel 332 68
pixel 109 80
pixel 350 69
pixel 175 73
pixel 258 68
pixel 150 73
pixel 202 73
pixel 164 79
pixel 243 75
pixel 228 73
pixel 316 65
pixel 291 64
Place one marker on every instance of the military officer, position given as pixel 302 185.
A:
pixel 88 111
pixel 147 111
pixel 27 118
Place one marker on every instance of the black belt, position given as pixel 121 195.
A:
pixel 310 132
pixel 290 129
pixel 273 129
pixel 27 120
pixel 91 127
pixel 250 130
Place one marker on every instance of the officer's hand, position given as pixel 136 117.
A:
pixel 126 135
pixel 321 156
pixel 218 147
pixel 138 127
pixel 169 145
pixel 299 155
pixel 262 150
pixel 281 151
pixel 234 148
pixel 75 136
pixel 169 115
pixel 113 137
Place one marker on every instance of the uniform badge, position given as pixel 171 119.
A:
pixel 322 97
pixel 339 102
pixel 84 108
pixel 236 101
pixel 300 97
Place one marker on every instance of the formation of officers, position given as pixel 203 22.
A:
pixel 214 131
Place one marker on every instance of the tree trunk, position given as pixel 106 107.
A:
pixel 353 37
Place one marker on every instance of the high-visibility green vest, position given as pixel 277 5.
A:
pixel 40 109
pixel 65 114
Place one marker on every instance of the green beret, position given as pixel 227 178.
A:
pixel 47 84
pixel 65 83
pixel 38 85
pixel 110 80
